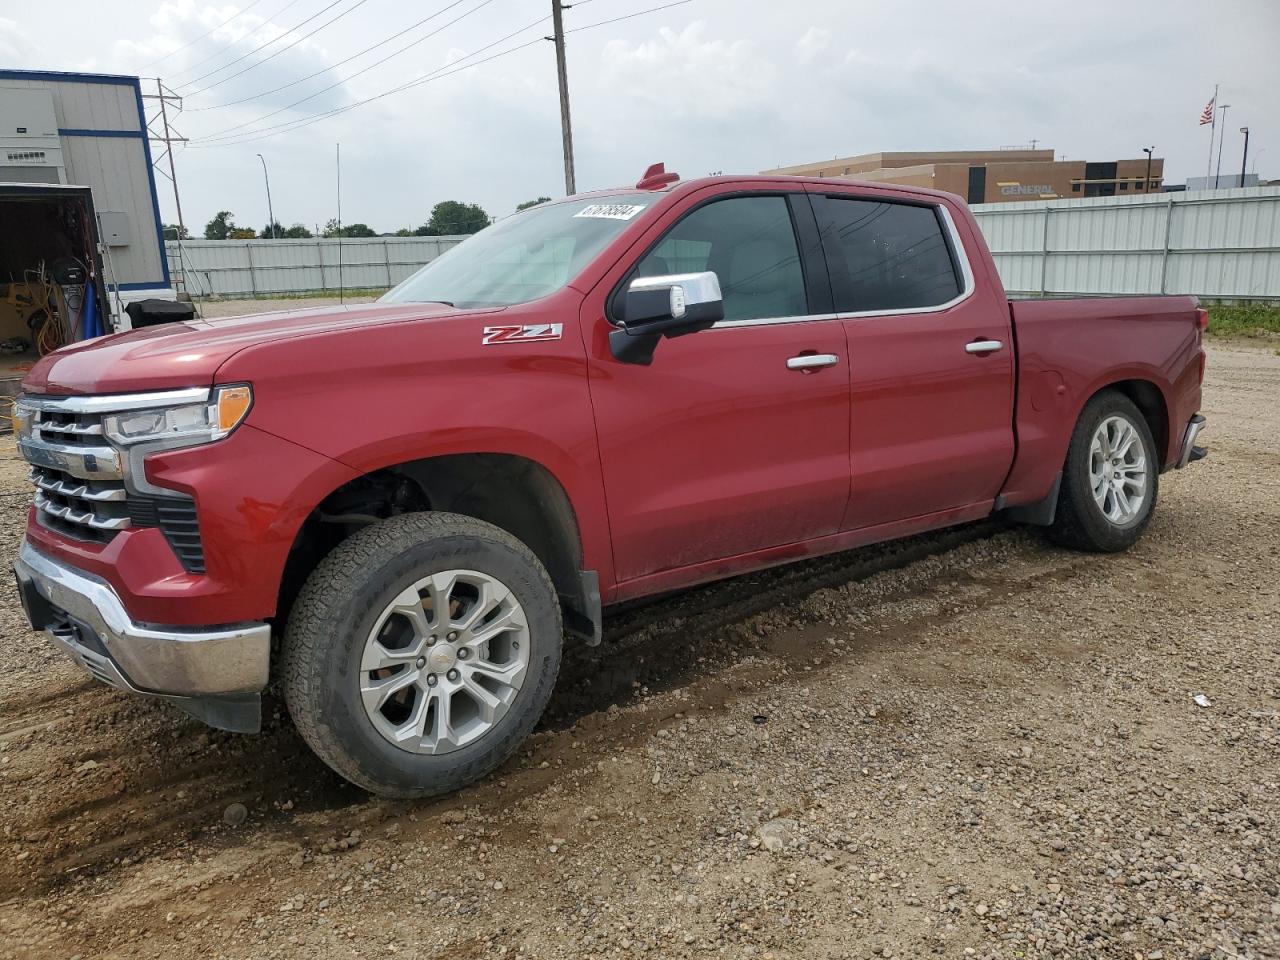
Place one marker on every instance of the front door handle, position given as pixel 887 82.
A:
pixel 983 346
pixel 812 361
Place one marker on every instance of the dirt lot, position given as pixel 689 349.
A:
pixel 988 748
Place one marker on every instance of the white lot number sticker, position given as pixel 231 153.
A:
pixel 611 211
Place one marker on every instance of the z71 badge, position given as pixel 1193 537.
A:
pixel 525 333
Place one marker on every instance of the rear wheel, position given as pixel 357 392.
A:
pixel 1110 479
pixel 421 652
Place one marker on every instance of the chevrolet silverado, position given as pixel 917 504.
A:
pixel 397 512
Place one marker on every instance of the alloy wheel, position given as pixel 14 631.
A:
pixel 444 661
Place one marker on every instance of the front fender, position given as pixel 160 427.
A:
pixel 375 398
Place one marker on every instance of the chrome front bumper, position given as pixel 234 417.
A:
pixel 83 615
pixel 1190 452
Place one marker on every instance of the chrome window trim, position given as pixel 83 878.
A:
pixel 113 402
pixel 967 290
pixel 770 321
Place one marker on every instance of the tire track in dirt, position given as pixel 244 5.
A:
pixel 159 778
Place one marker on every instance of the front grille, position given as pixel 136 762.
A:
pixel 80 487
pixel 84 509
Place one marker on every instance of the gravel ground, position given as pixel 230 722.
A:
pixel 969 745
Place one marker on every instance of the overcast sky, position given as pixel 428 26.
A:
pixel 708 85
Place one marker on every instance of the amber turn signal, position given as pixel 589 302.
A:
pixel 233 404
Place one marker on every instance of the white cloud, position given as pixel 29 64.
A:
pixel 814 42
pixel 734 85
pixel 16 45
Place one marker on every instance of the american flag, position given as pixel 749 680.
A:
pixel 1207 116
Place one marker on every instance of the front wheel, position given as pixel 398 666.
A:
pixel 1110 478
pixel 421 652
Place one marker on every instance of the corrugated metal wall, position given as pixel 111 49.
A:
pixel 1213 243
pixel 255 267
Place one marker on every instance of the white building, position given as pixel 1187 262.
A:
pixel 89 130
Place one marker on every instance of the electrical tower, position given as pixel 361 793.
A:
pixel 161 131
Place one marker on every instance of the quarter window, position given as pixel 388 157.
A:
pixel 887 256
pixel 750 244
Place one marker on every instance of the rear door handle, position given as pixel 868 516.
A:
pixel 812 361
pixel 983 346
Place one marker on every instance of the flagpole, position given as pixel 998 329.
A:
pixel 1208 167
pixel 1217 176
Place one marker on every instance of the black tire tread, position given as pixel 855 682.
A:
pixel 324 602
pixel 1078 524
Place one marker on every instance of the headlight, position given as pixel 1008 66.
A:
pixel 189 424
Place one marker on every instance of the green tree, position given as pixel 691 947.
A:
pixel 272 231
pixel 403 232
pixel 174 232
pixel 242 233
pixel 296 232
pixel 220 227
pixel 451 217
pixel 348 230
pixel 530 203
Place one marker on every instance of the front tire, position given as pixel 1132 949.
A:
pixel 1110 479
pixel 421 652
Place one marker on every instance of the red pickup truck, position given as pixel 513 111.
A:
pixel 399 510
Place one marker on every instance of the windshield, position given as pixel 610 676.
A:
pixel 526 256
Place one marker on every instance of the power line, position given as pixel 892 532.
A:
pixel 628 16
pixel 338 83
pixel 191 43
pixel 310 76
pixel 219 52
pixel 253 136
pixel 263 46
pixel 434 74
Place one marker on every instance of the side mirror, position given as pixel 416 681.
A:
pixel 668 306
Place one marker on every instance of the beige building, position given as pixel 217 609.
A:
pixel 993 176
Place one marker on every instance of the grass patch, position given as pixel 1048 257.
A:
pixel 1244 320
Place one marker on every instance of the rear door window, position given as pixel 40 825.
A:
pixel 886 256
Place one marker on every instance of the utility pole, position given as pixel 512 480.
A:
pixel 566 128
pixel 1146 184
pixel 159 131
pixel 1244 159
pixel 271 216
pixel 1217 173
pixel 337 158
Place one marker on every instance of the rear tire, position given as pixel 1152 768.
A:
pixel 1110 480
pixel 456 619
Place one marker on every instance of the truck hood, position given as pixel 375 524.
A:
pixel 189 354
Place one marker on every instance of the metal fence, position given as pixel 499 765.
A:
pixel 1221 244
pixel 240 268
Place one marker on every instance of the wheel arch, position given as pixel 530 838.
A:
pixel 513 492
pixel 1151 402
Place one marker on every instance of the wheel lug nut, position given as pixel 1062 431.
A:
pixel 422 662
pixel 463 653
pixel 431 680
pixel 452 674
pixel 431 640
pixel 453 635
